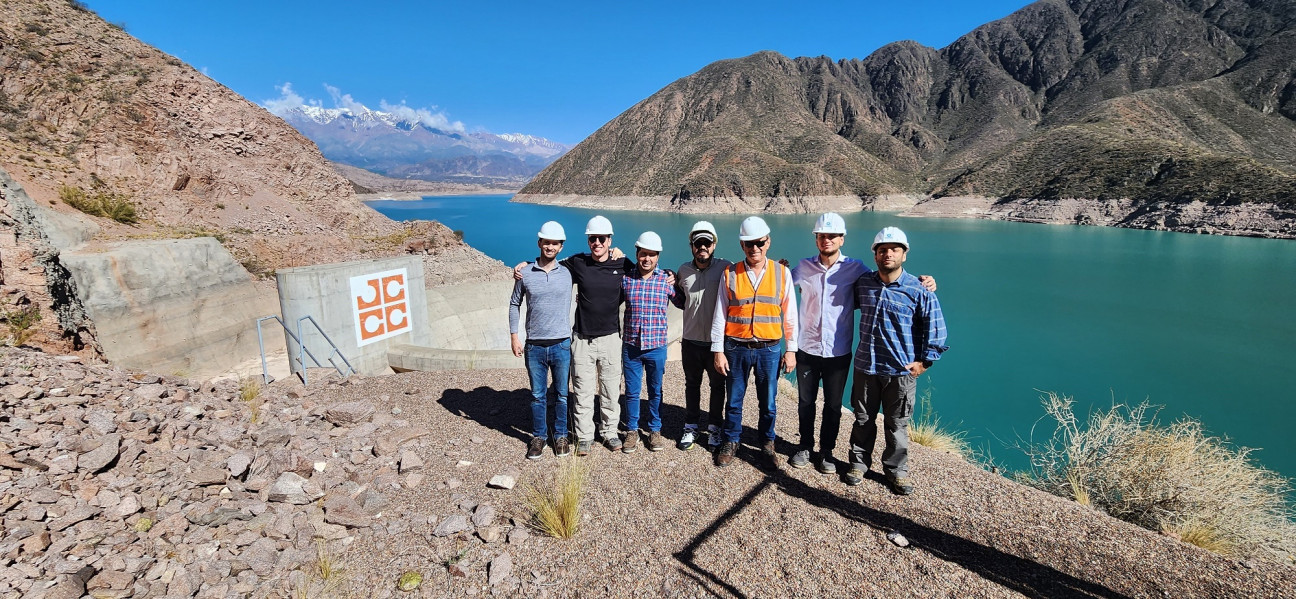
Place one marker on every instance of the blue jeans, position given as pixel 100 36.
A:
pixel 742 361
pixel 540 361
pixel 636 361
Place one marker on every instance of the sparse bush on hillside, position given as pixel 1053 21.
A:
pixel 102 202
pixel 20 322
pixel 1175 479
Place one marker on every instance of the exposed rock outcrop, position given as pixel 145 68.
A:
pixel 1158 102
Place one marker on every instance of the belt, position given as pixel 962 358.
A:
pixel 752 344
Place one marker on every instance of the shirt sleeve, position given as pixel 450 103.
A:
pixel 718 320
pixel 515 307
pixel 931 325
pixel 790 323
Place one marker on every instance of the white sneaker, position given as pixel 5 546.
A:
pixel 686 440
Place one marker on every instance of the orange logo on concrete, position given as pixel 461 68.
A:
pixel 381 307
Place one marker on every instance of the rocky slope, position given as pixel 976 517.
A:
pixel 84 105
pixel 1142 100
pixel 121 484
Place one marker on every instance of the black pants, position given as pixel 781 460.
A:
pixel 697 358
pixel 832 372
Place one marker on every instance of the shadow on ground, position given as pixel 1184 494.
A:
pixel 510 412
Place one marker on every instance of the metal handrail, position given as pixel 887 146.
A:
pixel 301 349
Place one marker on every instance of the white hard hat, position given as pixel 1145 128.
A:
pixel 649 241
pixel 702 229
pixel 891 235
pixel 830 222
pixel 598 226
pixel 753 227
pixel 552 230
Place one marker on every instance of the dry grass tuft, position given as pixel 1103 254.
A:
pixel 926 430
pixel 250 393
pixel 555 506
pixel 1173 478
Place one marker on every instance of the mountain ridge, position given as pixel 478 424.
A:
pixel 396 145
pixel 1161 102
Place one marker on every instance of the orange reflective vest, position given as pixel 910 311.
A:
pixel 754 313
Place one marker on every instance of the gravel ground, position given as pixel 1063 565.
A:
pixel 672 524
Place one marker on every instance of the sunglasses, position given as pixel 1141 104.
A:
pixel 702 243
pixel 598 238
pixel 756 243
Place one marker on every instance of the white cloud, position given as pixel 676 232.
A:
pixel 424 116
pixel 341 100
pixel 287 100
pixel 430 117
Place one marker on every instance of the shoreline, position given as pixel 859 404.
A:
pixel 1265 220
pixel 406 196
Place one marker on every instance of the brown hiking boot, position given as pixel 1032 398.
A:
pixel 767 451
pixel 631 442
pixel 655 441
pixel 726 453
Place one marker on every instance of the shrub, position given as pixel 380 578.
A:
pixel 103 203
pixel 555 507
pixel 21 323
pixel 1174 479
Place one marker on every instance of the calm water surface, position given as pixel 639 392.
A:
pixel 1196 323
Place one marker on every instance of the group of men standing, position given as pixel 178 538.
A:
pixel 738 320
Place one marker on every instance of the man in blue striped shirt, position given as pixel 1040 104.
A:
pixel 902 332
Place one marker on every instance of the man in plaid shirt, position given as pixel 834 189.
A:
pixel 647 291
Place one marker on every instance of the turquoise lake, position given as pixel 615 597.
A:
pixel 1194 323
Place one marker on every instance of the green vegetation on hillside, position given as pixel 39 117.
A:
pixel 100 202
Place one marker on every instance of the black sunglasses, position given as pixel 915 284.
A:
pixel 701 243
pixel 598 238
pixel 756 243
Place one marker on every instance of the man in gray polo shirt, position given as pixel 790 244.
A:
pixel 698 282
pixel 546 286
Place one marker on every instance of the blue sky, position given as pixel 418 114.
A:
pixel 554 69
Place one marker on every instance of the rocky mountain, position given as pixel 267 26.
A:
pixel 1160 102
pixel 407 148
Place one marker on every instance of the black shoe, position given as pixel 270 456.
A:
pixel 536 448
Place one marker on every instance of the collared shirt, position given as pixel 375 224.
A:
pixel 645 314
pixel 695 294
pixel 548 295
pixel 598 293
pixel 788 307
pixel 827 317
pixel 900 323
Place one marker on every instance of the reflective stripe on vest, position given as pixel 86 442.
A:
pixel 754 313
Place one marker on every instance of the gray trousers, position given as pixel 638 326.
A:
pixel 894 395
pixel 596 366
